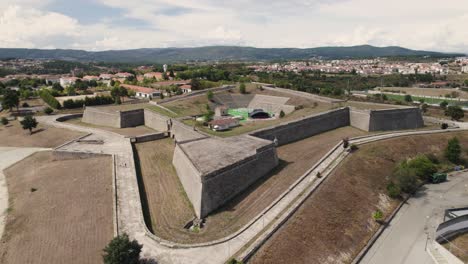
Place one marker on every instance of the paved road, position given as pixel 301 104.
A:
pixel 404 241
pixel 9 156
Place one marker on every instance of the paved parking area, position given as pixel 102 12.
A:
pixel 407 236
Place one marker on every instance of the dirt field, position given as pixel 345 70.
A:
pixel 334 224
pixel 459 247
pixel 60 210
pixel 128 131
pixel 296 159
pixel 14 135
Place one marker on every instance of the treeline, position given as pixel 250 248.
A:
pixel 49 99
pixel 88 101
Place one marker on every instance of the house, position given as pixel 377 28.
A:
pixel 91 78
pixel 222 124
pixel 67 81
pixel 464 69
pixel 186 88
pixel 106 76
pixel 143 92
pixel 123 75
pixel 155 75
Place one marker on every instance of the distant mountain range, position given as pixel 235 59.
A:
pixel 217 53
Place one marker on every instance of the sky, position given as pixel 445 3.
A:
pixel 128 24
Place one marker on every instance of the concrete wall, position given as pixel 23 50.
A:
pixel 189 177
pixel 222 186
pixel 395 119
pixel 306 127
pixel 156 121
pixel 182 132
pixel 96 116
pixel 132 118
pixel 150 137
pixel 359 118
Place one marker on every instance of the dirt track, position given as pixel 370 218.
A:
pixel 336 221
pixel 66 218
pixel 14 135
pixel 296 159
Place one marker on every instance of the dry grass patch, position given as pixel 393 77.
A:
pixel 61 210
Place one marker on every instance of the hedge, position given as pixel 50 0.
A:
pixel 88 101
pixel 49 99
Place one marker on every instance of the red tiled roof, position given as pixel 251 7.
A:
pixel 140 89
pixel 222 121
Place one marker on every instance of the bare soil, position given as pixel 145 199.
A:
pixel 13 135
pixel 60 210
pixel 167 201
pixel 335 223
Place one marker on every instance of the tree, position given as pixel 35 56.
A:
pixel 242 88
pixel 171 74
pixel 455 112
pixel 407 179
pixel 282 114
pixel 408 98
pixel 424 108
pixel 443 104
pixel 29 122
pixel 121 250
pixel 70 90
pixel 453 150
pixel 5 121
pixel 210 95
pixel 48 111
pixel 196 84
pixel 57 87
pixel 10 99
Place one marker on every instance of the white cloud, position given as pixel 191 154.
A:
pixel 419 24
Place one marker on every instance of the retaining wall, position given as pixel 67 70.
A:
pixel 305 127
pixel 222 186
pixel 156 121
pixel 132 118
pixel 189 176
pixel 395 119
pixel 359 118
pixel 96 116
pixel 149 137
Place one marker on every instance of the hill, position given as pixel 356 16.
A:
pixel 217 53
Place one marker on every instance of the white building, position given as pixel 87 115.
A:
pixel 67 81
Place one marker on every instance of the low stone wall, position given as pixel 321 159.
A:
pixel 395 119
pixel 156 121
pixel 150 137
pixel 222 186
pixel 305 127
pixel 132 118
pixel 100 117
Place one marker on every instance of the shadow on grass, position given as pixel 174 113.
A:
pixel 37 131
pixel 232 204
pixel 142 191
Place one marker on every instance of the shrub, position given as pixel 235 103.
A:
pixel 444 126
pixel 49 99
pixel 443 104
pixel 353 147
pixel 29 122
pixel 48 111
pixel 25 104
pixel 89 101
pixel 393 190
pixel 319 175
pixel 345 142
pixel 408 98
pixel 422 165
pixel 4 121
pixel 121 250
pixel 424 108
pixel 406 179
pixel 455 112
pixel 242 88
pixel 282 114
pixel 453 150
pixel 210 95
pixel 377 215
pixel 234 261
